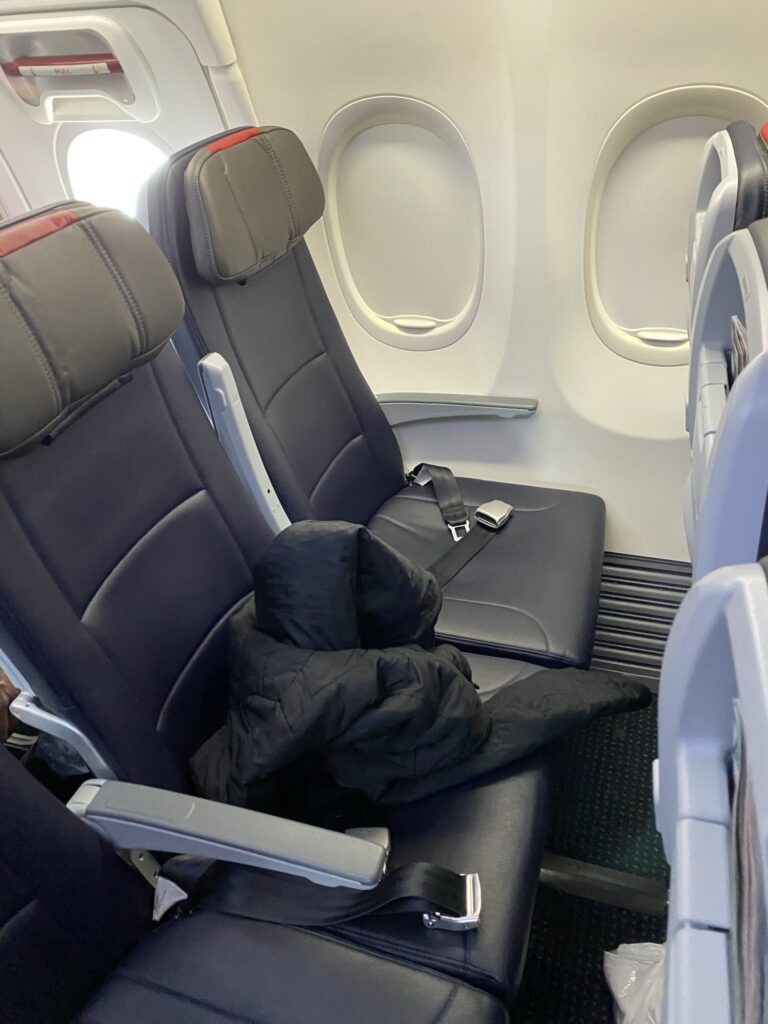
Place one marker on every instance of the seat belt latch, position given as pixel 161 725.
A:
pixel 494 514
pixel 465 922
pixel 459 530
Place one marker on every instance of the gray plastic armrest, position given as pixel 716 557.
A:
pixel 139 817
pixel 414 407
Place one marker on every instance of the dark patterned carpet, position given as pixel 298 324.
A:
pixel 602 813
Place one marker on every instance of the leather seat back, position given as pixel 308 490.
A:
pixel 125 537
pixel 230 214
pixel 731 194
pixel 749 148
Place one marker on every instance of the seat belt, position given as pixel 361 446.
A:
pixel 452 561
pixel 469 538
pixel 446 900
pixel 448 495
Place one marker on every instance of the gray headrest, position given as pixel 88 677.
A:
pixel 251 195
pixel 85 296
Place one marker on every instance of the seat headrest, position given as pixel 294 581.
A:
pixel 251 195
pixel 85 296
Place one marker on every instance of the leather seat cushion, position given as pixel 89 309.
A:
pixel 215 968
pixel 494 826
pixel 752 184
pixel 532 592
pixel 492 674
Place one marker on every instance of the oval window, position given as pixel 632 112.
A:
pixel 408 222
pixel 107 167
pixel 404 220
pixel 642 230
pixel 640 203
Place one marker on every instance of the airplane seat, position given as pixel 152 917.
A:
pixel 77 945
pixel 731 193
pixel 723 499
pixel 58 940
pixel 711 795
pixel 127 541
pixel 230 214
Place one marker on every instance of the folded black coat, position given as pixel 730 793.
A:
pixel 336 658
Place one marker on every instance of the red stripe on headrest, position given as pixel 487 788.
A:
pixel 233 139
pixel 18 235
pixel 764 134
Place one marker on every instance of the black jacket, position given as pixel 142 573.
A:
pixel 335 660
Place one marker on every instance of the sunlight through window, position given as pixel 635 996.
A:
pixel 107 167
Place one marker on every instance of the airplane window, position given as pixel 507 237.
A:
pixel 107 167
pixel 640 239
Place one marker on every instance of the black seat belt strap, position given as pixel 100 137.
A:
pixel 445 899
pixel 452 561
pixel 448 495
pixel 470 539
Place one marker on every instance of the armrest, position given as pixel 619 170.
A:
pixel 139 817
pixel 414 407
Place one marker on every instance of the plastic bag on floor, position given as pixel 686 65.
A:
pixel 635 976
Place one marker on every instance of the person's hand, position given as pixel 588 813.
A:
pixel 8 693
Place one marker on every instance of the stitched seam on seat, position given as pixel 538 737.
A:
pixel 348 938
pixel 40 659
pixel 465 970
pixel 481 646
pixel 177 681
pixel 447 1004
pixel 288 380
pixel 504 607
pixel 256 259
pixel 233 346
pixel 20 912
pixel 137 543
pixel 128 297
pixel 409 528
pixel 196 467
pixel 203 217
pixel 156 987
pixel 333 461
pixel 202 213
pixel 339 377
pixel 244 370
pixel 428 498
pixel 39 350
pixel 292 210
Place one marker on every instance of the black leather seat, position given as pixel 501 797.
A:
pixel 749 149
pixel 77 944
pixel 521 599
pixel 220 969
pixel 230 214
pixel 731 194
pixel 126 541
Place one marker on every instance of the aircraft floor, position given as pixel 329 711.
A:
pixel 602 814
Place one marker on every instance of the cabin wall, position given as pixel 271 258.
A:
pixel 468 245
pixel 534 87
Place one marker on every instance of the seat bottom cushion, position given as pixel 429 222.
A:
pixel 215 968
pixel 494 826
pixel 492 674
pixel 532 592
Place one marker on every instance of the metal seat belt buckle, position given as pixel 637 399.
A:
pixel 459 530
pixel 494 514
pixel 465 922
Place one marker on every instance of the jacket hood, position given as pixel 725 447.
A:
pixel 336 586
